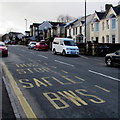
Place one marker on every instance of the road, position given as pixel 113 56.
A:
pixel 54 86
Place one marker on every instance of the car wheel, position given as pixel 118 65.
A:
pixel 109 62
pixel 63 53
pixel 54 51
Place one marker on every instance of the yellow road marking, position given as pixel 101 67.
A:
pixel 102 88
pixel 79 78
pixel 65 71
pixel 25 105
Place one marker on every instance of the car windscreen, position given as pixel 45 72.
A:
pixel 2 45
pixel 33 43
pixel 70 43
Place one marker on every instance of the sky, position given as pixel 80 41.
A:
pixel 13 14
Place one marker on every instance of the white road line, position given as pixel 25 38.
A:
pixel 104 75
pixel 83 57
pixel 31 52
pixel 30 60
pixel 63 63
pixel 43 56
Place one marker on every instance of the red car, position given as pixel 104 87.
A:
pixel 41 46
pixel 3 49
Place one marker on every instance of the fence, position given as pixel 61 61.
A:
pixel 97 49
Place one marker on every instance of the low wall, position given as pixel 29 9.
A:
pixel 97 49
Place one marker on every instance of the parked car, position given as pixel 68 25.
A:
pixel 65 46
pixel 112 58
pixel 3 49
pixel 12 42
pixel 31 45
pixel 41 46
pixel 7 41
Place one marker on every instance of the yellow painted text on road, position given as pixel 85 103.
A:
pixel 102 88
pixel 60 98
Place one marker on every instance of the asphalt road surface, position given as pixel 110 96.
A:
pixel 54 86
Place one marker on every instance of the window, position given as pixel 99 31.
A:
pixel 113 38
pixel 69 32
pixel 107 24
pixel 70 43
pixel 107 38
pixel 76 30
pixel 80 29
pixel 113 23
pixel 97 27
pixel 103 40
pixel 56 42
pixel 103 25
pixel 73 31
pixel 92 27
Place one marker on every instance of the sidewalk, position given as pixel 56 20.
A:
pixel 7 112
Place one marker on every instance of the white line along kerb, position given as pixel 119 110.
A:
pixel 104 75
pixel 64 63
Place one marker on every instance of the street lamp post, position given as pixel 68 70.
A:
pixel 26 24
pixel 85 30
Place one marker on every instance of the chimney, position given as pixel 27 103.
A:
pixel 119 3
pixel 108 6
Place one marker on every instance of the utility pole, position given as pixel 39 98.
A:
pixel 85 30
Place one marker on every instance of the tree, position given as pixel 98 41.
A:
pixel 64 18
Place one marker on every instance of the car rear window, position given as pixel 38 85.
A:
pixel 42 43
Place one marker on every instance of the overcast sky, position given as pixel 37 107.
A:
pixel 13 14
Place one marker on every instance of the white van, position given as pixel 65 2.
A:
pixel 65 46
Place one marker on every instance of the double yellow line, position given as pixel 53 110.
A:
pixel 25 105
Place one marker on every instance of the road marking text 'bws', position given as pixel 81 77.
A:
pixel 57 100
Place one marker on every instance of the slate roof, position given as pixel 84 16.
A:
pixel 70 23
pixel 82 20
pixel 36 24
pixel 102 15
pixel 55 23
pixel 61 24
pixel 117 9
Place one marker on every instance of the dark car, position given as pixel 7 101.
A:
pixel 112 58
pixel 41 46
pixel 3 49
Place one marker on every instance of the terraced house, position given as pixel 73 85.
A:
pixel 105 26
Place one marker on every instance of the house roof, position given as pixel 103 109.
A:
pixel 82 20
pixel 103 14
pixel 117 9
pixel 70 23
pixel 15 33
pixel 61 24
pixel 55 23
pixel 36 24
